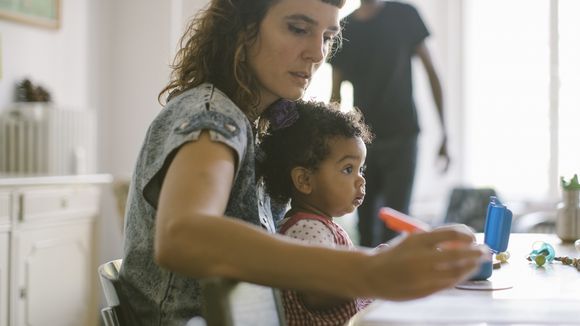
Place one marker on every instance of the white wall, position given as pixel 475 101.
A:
pixel 139 70
pixel 140 40
pixel 57 59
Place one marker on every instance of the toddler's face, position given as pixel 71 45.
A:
pixel 338 184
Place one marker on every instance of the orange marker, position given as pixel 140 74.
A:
pixel 401 222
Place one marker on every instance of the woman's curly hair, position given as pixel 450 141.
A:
pixel 305 143
pixel 213 49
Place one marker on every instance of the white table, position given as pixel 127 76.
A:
pixel 548 295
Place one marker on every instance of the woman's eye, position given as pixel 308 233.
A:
pixel 328 39
pixel 296 30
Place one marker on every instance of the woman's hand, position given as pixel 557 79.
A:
pixel 420 264
pixel 458 227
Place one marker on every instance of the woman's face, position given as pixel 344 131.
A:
pixel 294 39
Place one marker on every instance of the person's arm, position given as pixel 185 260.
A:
pixel 337 79
pixel 193 238
pixel 423 52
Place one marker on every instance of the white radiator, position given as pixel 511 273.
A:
pixel 40 139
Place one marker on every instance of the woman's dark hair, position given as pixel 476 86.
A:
pixel 213 49
pixel 305 143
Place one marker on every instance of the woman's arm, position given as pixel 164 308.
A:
pixel 193 238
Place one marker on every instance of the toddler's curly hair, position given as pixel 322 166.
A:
pixel 305 144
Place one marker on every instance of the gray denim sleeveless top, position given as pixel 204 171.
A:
pixel 157 296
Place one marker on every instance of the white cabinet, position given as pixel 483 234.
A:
pixel 3 278
pixel 51 252
pixel 53 275
pixel 5 208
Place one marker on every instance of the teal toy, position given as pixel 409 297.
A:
pixel 542 252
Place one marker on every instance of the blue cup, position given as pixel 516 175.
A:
pixel 484 272
pixel 498 223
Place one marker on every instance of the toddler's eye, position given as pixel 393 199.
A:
pixel 347 170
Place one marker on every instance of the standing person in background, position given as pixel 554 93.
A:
pixel 380 40
pixel 195 209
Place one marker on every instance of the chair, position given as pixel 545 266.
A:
pixel 232 303
pixel 469 206
pixel 114 314
pixel 226 302
pixel 535 222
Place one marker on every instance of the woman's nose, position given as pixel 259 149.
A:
pixel 316 50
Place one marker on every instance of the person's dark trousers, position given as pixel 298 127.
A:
pixel 389 182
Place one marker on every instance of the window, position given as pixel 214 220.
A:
pixel 514 140
pixel 569 96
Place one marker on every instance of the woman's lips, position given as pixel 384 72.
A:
pixel 302 78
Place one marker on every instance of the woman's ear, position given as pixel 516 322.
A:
pixel 301 179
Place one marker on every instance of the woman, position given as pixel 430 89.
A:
pixel 195 209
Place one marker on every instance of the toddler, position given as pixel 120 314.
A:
pixel 312 157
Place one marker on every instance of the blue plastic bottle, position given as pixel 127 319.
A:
pixel 498 223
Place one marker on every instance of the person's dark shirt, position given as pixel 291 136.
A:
pixel 376 58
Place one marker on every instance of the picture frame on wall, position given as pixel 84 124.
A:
pixel 41 13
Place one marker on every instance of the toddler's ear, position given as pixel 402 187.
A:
pixel 301 179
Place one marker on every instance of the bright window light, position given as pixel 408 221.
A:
pixel 569 28
pixel 507 139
